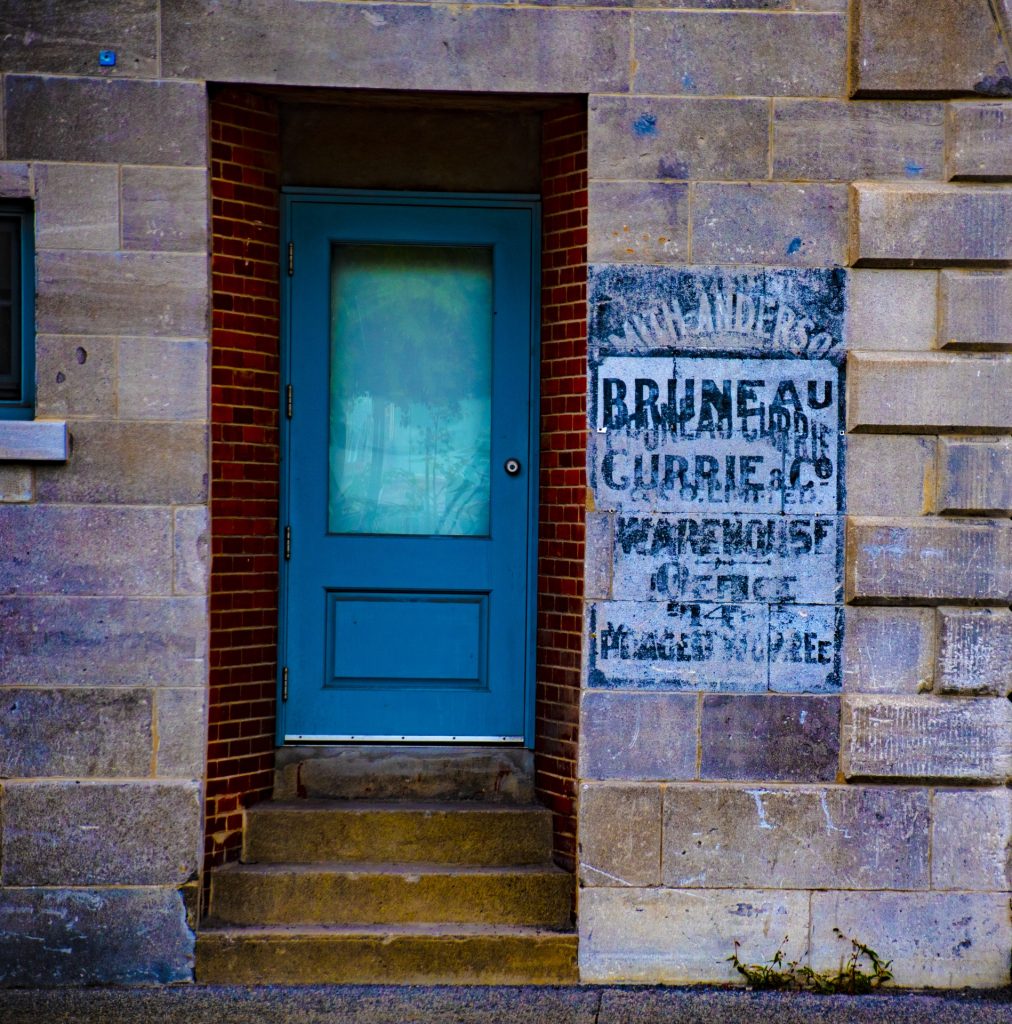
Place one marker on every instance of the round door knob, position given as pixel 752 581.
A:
pixel 512 466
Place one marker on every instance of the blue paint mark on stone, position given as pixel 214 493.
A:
pixel 795 246
pixel 645 124
pixel 913 168
pixel 688 82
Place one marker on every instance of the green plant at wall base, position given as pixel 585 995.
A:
pixel 863 971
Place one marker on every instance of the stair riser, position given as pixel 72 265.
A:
pixel 334 898
pixel 458 837
pixel 402 960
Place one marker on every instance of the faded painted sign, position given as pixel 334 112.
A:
pixel 716 465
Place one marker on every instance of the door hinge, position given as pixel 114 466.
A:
pixel 284 684
pixel 291 258
pixel 288 401
pixel 288 543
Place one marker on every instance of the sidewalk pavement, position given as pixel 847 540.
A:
pixel 389 1004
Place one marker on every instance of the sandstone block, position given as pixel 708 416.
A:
pixel 34 441
pixel 181 718
pixel 974 476
pixel 979 141
pixel 162 380
pixel 892 309
pixel 888 650
pixel 975 309
pixel 682 139
pixel 795 838
pixel 94 120
pixel 740 53
pixel 890 474
pixel 78 732
pixel 77 206
pixel 682 936
pixel 402 46
pixel 638 222
pixel 770 738
pixel 933 46
pixel 942 940
pixel 930 561
pixel 77 550
pixel 597 565
pixel 929 393
pixel 157 294
pixel 836 140
pixel 782 224
pixel 94 937
pixel 15 180
pixel 638 735
pixel 40 37
pixel 926 738
pixel 75 376
pixel 620 835
pixel 125 463
pixel 165 208
pixel 974 651
pixel 191 550
pixel 94 833
pixel 54 641
pixel 929 225
pixel 971 839
pixel 17 483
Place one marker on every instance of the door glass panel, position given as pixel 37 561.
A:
pixel 410 389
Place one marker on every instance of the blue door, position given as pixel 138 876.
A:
pixel 408 468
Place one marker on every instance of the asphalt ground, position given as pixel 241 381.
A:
pixel 389 1004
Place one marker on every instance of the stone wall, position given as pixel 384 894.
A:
pixel 756 143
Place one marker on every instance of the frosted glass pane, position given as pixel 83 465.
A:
pixel 410 389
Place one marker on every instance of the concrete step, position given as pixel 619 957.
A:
pixel 380 772
pixel 314 831
pixel 402 955
pixel 372 893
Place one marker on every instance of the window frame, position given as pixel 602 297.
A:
pixel 22 407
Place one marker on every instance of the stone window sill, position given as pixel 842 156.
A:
pixel 33 441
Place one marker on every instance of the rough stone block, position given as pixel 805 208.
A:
pixel 94 833
pixel 888 650
pixel 926 738
pixel 740 53
pixel 638 735
pixel 892 309
pixel 399 46
pixel 769 738
pixel 975 309
pixel 75 376
pixel 620 835
pixel 793 838
pixel 597 565
pixel 890 474
pixel 979 141
pixel 929 393
pixel 929 225
pixel 165 208
pixel 94 937
pixel 683 139
pixel 94 120
pixel 837 140
pixel 934 46
pixel 54 641
pixel 15 180
pixel 181 728
pixel 78 732
pixel 682 936
pixel 191 550
pixel 930 561
pixel 43 37
pixel 77 206
pixel 974 651
pixel 17 483
pixel 638 222
pixel 155 294
pixel 130 463
pixel 971 839
pixel 941 940
pixel 73 550
pixel 162 380
pixel 782 224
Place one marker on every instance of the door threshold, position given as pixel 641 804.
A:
pixel 426 740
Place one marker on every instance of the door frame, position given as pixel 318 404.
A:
pixel 291 195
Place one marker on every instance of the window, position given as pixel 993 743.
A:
pixel 17 316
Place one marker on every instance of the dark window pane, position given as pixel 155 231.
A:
pixel 10 333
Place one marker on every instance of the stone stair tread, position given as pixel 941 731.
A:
pixel 392 868
pixel 212 926
pixel 338 806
